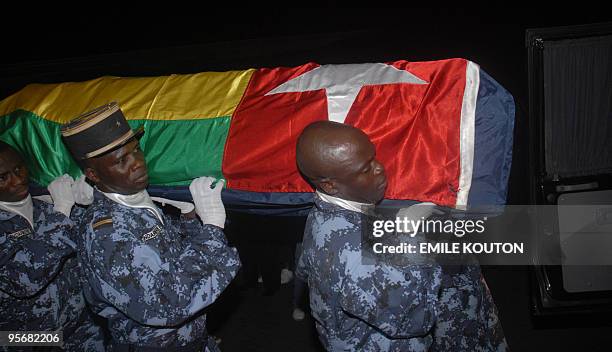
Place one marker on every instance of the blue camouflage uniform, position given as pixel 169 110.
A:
pixel 467 317
pixel 363 307
pixel 151 280
pixel 39 278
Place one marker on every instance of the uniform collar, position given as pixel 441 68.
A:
pixel 23 208
pixel 363 208
pixel 140 200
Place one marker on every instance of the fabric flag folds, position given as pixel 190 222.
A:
pixel 443 129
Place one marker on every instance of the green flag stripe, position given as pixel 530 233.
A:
pixel 176 151
pixel 39 142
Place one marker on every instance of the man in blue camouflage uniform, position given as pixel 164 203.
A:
pixel 150 277
pixel 357 306
pixel 39 276
pixel 378 305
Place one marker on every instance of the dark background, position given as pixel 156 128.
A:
pixel 53 48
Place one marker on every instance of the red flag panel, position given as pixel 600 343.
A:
pixel 415 127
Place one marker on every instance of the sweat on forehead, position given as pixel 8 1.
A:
pixel 322 144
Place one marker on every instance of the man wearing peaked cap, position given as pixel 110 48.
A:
pixel 150 277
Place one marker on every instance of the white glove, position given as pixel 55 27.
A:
pixel 208 204
pixel 185 207
pixel 61 193
pixel 418 211
pixel 82 191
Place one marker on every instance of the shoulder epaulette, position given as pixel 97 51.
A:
pixel 102 222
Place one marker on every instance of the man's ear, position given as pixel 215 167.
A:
pixel 328 186
pixel 91 174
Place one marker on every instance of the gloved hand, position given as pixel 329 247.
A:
pixel 418 211
pixel 82 191
pixel 207 200
pixel 61 193
pixel 185 207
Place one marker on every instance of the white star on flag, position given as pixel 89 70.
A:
pixel 342 83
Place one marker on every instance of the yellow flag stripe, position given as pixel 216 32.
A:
pixel 175 97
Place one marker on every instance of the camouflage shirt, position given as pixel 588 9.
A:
pixel 39 278
pixel 363 307
pixel 467 318
pixel 151 280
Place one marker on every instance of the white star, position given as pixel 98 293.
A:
pixel 342 83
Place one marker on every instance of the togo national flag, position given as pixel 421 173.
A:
pixel 442 129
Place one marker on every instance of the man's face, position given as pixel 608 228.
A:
pixel 122 171
pixel 359 176
pixel 13 177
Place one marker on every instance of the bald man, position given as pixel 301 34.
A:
pixel 381 306
pixel 356 307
